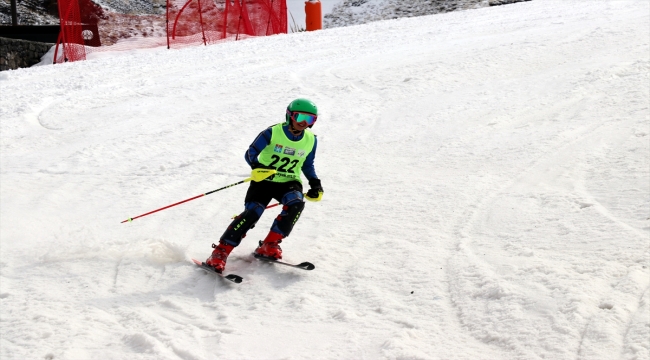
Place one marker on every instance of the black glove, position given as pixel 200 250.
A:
pixel 315 192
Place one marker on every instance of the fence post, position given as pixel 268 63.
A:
pixel 201 22
pixel 313 15
pixel 167 22
pixel 14 13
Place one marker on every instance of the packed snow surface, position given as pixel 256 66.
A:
pixel 486 178
pixel 354 12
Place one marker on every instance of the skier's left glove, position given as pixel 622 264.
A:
pixel 315 192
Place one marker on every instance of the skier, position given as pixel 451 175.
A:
pixel 289 148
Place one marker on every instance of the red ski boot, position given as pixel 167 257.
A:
pixel 219 256
pixel 270 247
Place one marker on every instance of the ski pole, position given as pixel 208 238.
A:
pixel 256 175
pixel 268 207
pixel 276 204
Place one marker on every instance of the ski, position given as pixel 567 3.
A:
pixel 303 265
pixel 230 277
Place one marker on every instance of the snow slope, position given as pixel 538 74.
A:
pixel 356 12
pixel 486 178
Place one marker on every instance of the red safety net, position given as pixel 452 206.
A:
pixel 70 35
pixel 183 23
pixel 209 21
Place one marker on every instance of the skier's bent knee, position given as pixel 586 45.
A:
pixel 242 223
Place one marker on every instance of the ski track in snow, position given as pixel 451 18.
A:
pixel 486 194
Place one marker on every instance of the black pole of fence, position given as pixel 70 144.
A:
pixel 201 22
pixel 269 22
pixel 167 22
pixel 239 22
pixel 14 13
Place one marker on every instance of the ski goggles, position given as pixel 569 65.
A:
pixel 310 119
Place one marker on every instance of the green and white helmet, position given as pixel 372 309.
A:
pixel 300 105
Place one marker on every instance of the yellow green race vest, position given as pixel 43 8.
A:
pixel 286 156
